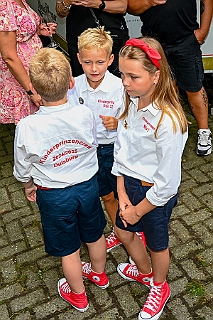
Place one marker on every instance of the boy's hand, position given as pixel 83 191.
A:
pixel 31 193
pixel 109 122
pixel 30 190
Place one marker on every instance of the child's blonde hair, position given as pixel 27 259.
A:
pixel 50 74
pixel 95 38
pixel 164 95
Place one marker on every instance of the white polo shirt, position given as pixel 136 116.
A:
pixel 140 155
pixel 107 99
pixel 56 146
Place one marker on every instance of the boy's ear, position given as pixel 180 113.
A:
pixel 111 59
pixel 72 82
pixel 79 58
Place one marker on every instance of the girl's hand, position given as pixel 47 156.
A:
pixel 109 122
pixel 129 215
pixel 124 203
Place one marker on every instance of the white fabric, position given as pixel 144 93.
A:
pixel 56 146
pixel 106 99
pixel 140 155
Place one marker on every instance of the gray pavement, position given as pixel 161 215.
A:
pixel 28 278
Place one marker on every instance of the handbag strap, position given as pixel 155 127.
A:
pixel 95 18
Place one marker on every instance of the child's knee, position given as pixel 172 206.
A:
pixel 123 235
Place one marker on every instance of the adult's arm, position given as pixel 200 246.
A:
pixel 112 6
pixel 9 55
pixel 206 11
pixel 136 7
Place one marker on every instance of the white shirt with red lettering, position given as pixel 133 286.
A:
pixel 107 99
pixel 140 155
pixel 56 146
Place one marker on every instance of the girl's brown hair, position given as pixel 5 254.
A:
pixel 164 96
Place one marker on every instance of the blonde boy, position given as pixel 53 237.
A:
pixel 102 92
pixel 55 159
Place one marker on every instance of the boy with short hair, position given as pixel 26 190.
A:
pixel 103 93
pixel 55 159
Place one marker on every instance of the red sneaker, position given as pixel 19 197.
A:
pixel 155 302
pixel 130 272
pixel 77 300
pixel 112 241
pixel 100 279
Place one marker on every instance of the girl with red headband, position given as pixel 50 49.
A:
pixel 152 133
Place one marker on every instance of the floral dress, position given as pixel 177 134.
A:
pixel 14 101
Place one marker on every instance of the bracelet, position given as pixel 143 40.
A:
pixel 65 6
pixel 29 92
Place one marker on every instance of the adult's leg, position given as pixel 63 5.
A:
pixel 199 105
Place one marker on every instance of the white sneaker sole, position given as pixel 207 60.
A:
pixel 157 316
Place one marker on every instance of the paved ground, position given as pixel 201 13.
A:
pixel 28 278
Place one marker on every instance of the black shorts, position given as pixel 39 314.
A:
pixel 185 60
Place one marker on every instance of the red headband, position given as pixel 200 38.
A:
pixel 152 53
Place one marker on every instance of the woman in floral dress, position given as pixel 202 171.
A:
pixel 19 40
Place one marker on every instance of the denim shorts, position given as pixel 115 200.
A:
pixel 154 224
pixel 106 180
pixel 185 60
pixel 70 216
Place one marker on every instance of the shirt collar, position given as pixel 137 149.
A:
pixel 152 108
pixel 103 86
pixel 54 109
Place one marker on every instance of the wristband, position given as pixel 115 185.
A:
pixel 29 92
pixel 102 5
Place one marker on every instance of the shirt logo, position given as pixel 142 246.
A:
pixel 108 104
pixel 147 125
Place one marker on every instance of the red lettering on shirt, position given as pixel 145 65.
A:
pixel 146 127
pixel 108 104
pixel 148 124
pixel 60 144
pixel 58 156
pixel 61 163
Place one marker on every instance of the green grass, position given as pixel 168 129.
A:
pixel 195 288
